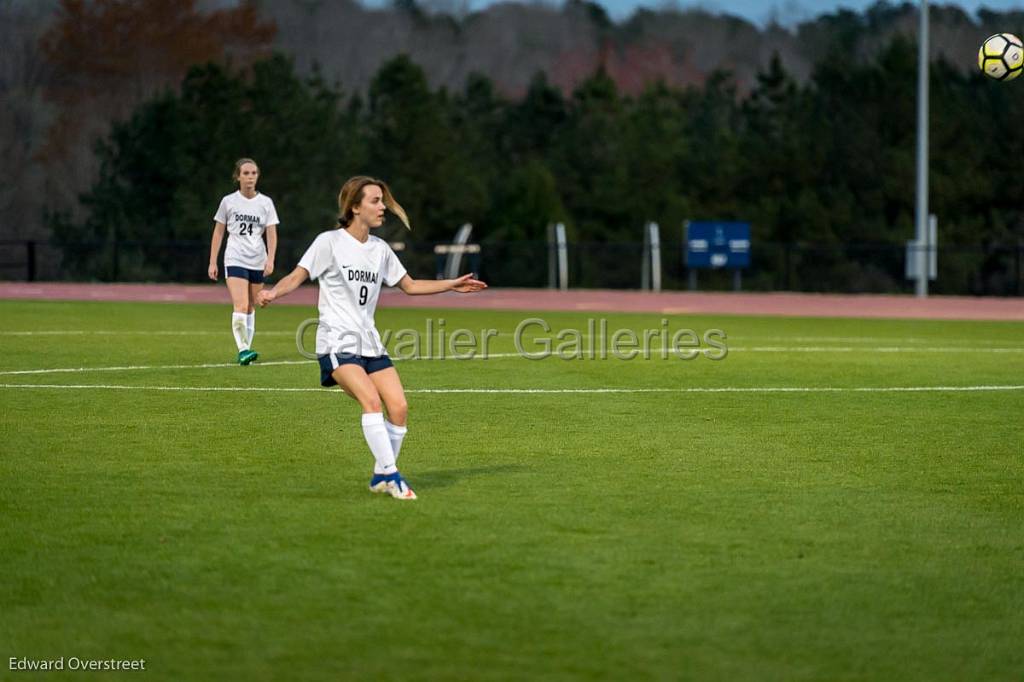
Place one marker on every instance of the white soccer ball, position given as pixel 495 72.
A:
pixel 1002 56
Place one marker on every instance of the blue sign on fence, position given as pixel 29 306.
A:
pixel 717 245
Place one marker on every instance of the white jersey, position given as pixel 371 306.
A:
pixel 246 220
pixel 350 273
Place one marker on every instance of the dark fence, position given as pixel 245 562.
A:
pixel 994 270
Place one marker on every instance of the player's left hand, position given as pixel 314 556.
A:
pixel 268 269
pixel 467 284
pixel 265 296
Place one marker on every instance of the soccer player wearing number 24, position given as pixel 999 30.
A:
pixel 246 215
pixel 351 265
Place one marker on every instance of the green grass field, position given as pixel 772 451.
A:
pixel 829 532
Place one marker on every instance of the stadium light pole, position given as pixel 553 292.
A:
pixel 921 212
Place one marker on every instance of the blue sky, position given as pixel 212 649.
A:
pixel 787 12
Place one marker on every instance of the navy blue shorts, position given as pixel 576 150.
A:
pixel 254 276
pixel 332 361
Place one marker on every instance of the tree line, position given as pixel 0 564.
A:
pixel 826 164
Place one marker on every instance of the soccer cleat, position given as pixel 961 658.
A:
pixel 379 483
pixel 392 484
pixel 247 357
pixel 400 490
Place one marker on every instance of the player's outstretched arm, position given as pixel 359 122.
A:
pixel 466 284
pixel 282 288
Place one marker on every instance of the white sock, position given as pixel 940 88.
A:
pixel 238 329
pixel 250 326
pixel 376 435
pixel 396 434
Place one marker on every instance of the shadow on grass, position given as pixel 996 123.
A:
pixel 443 478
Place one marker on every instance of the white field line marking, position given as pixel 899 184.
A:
pixel 857 339
pixel 654 352
pixel 128 332
pixel 869 349
pixel 731 389
pixel 530 337
pixel 212 365
pixel 130 368
pixel 585 348
pixel 554 343
pixel 725 389
pixel 746 338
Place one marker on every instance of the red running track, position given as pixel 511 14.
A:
pixel 665 303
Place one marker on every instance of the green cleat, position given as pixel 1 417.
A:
pixel 247 357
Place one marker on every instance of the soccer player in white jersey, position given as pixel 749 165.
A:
pixel 247 215
pixel 351 265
